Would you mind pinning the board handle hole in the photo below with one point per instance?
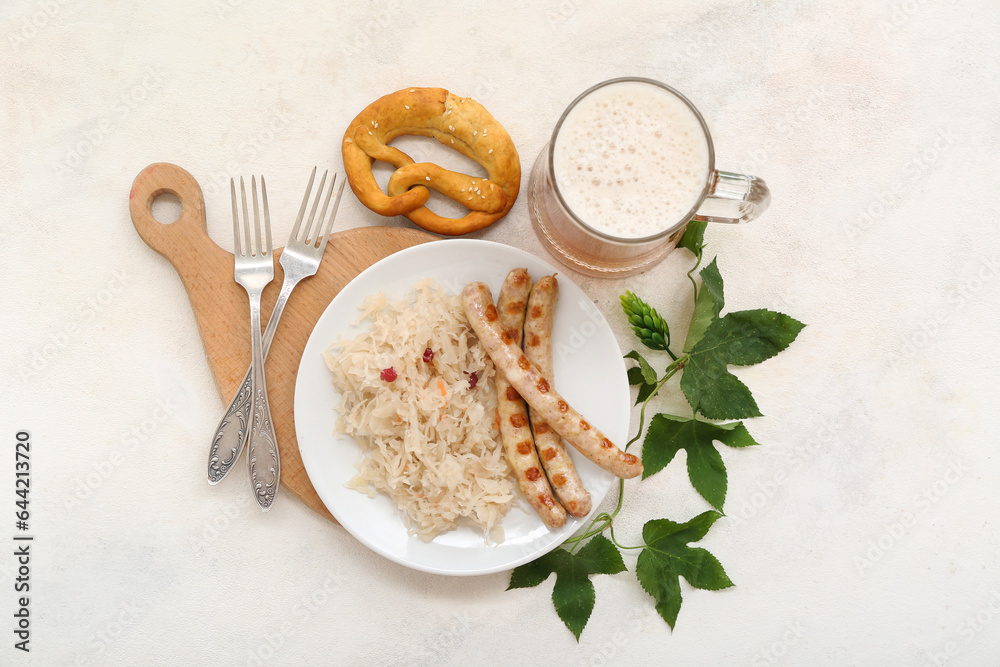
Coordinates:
(166, 208)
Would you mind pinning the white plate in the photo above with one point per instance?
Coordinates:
(589, 372)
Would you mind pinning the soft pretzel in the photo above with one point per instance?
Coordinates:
(458, 122)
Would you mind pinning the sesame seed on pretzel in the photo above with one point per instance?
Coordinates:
(457, 122)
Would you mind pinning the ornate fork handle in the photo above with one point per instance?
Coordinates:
(232, 431)
(262, 449)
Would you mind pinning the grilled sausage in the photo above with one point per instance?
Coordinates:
(536, 390)
(514, 429)
(566, 482)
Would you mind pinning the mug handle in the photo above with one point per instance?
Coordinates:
(734, 198)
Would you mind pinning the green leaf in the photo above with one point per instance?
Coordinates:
(719, 397)
(647, 324)
(666, 557)
(648, 374)
(669, 434)
(642, 375)
(707, 305)
(742, 338)
(602, 556)
(573, 594)
(645, 391)
(533, 573)
(694, 237)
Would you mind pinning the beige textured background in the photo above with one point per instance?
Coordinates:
(862, 532)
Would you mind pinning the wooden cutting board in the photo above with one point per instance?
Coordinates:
(222, 310)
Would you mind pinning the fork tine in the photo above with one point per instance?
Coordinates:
(267, 218)
(333, 214)
(236, 220)
(259, 248)
(248, 249)
(302, 209)
(312, 213)
(322, 215)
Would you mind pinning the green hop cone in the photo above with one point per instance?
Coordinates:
(647, 324)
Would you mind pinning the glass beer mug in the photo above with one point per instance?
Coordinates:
(630, 162)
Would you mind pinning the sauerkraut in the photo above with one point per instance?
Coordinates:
(418, 396)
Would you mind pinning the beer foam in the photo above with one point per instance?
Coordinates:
(631, 159)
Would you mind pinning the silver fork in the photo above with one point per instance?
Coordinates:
(300, 259)
(254, 269)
